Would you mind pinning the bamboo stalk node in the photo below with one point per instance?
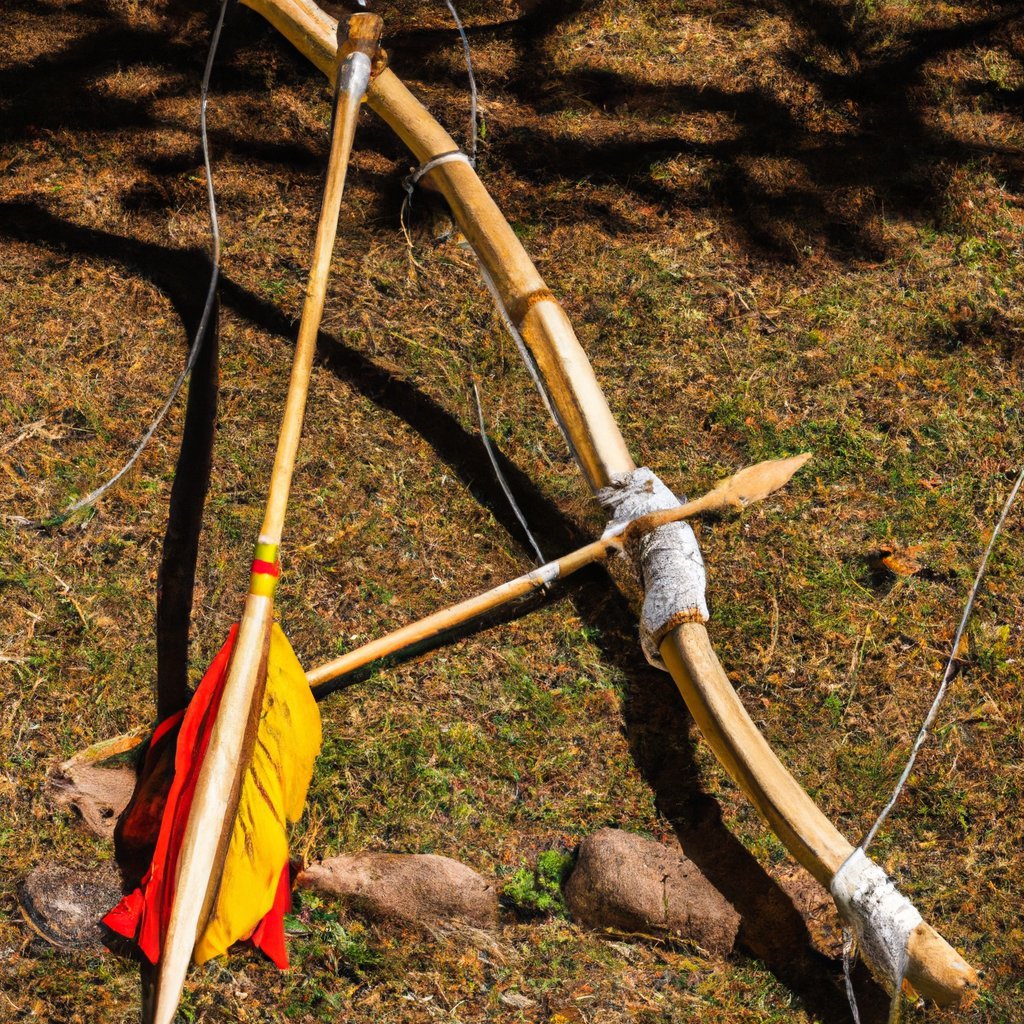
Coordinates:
(523, 303)
(667, 558)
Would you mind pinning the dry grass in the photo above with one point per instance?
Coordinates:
(777, 227)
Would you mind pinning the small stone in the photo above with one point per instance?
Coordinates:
(416, 889)
(98, 794)
(628, 883)
(64, 905)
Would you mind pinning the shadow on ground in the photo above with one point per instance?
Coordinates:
(656, 720)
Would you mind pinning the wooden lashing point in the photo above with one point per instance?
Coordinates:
(934, 968)
(747, 486)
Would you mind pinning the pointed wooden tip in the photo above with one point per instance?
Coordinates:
(757, 482)
(937, 971)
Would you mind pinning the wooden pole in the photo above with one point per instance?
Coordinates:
(215, 801)
(934, 968)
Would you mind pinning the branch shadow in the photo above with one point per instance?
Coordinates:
(787, 179)
(890, 152)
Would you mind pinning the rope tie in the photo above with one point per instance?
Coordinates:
(668, 559)
(410, 182)
(881, 918)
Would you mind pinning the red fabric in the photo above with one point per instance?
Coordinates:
(268, 937)
(261, 568)
(143, 915)
(139, 826)
(165, 727)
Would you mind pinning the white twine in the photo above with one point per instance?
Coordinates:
(668, 558)
(882, 918)
(410, 183)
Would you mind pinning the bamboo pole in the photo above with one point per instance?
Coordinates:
(215, 801)
(741, 489)
(934, 968)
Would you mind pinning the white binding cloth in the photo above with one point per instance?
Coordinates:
(880, 915)
(668, 558)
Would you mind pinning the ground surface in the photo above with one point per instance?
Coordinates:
(778, 226)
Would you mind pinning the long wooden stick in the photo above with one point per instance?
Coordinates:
(215, 802)
(934, 968)
(741, 489)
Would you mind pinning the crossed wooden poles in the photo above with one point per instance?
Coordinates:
(926, 961)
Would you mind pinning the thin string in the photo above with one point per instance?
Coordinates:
(847, 966)
(410, 182)
(517, 511)
(524, 353)
(950, 670)
(211, 291)
(471, 136)
(947, 677)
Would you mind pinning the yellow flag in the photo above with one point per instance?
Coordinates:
(273, 794)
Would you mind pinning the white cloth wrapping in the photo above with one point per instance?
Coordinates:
(668, 558)
(880, 915)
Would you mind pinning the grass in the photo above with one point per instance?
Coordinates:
(537, 889)
(776, 228)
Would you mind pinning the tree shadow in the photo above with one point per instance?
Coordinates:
(788, 178)
(889, 152)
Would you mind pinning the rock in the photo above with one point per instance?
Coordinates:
(63, 905)
(417, 889)
(625, 882)
(98, 794)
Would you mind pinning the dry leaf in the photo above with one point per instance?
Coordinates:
(902, 561)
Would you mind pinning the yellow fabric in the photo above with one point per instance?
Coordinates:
(273, 792)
